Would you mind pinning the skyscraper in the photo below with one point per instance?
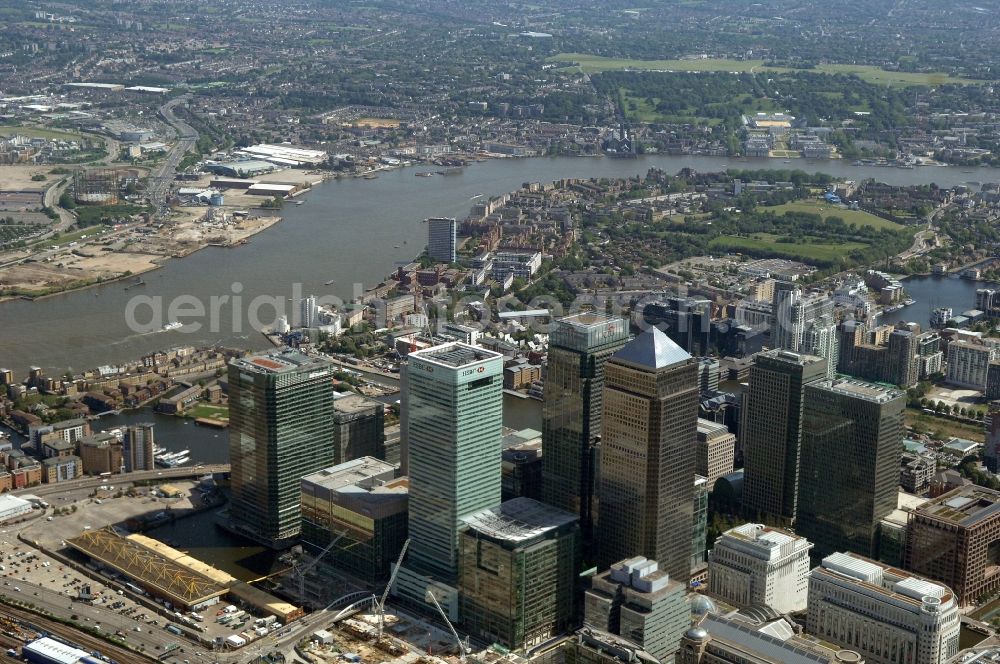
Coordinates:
(772, 430)
(454, 423)
(579, 346)
(138, 451)
(648, 454)
(280, 429)
(441, 239)
(855, 428)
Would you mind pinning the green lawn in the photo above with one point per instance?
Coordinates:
(595, 63)
(209, 410)
(38, 132)
(825, 210)
(766, 242)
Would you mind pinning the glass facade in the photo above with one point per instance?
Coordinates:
(280, 430)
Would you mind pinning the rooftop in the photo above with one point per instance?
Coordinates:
(518, 520)
(965, 506)
(359, 475)
(455, 355)
(652, 350)
(861, 390)
(55, 651)
(281, 360)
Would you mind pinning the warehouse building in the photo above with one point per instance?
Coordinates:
(49, 651)
(12, 507)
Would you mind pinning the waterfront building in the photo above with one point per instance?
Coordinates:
(969, 362)
(771, 432)
(953, 538)
(648, 453)
(454, 423)
(803, 322)
(579, 347)
(139, 444)
(280, 429)
(852, 439)
(716, 450)
(441, 242)
(358, 428)
(362, 503)
(56, 469)
(638, 601)
(885, 614)
(754, 565)
(101, 453)
(517, 572)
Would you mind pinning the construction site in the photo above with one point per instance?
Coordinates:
(96, 186)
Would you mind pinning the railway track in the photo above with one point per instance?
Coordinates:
(85, 641)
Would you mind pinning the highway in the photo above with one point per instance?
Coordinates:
(159, 180)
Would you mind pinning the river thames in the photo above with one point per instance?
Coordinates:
(348, 232)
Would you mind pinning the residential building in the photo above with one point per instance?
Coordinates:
(572, 407)
(969, 363)
(280, 430)
(885, 614)
(638, 601)
(753, 566)
(916, 472)
(735, 638)
(518, 566)
(716, 450)
(454, 421)
(803, 323)
(138, 450)
(954, 539)
(358, 428)
(771, 431)
(362, 503)
(647, 453)
(517, 264)
(441, 243)
(57, 469)
(101, 453)
(855, 428)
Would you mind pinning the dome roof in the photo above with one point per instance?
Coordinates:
(701, 605)
(696, 634)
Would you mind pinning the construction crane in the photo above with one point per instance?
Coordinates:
(380, 605)
(463, 646)
(300, 571)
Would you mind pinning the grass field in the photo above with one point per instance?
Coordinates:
(766, 242)
(825, 210)
(592, 64)
(941, 427)
(38, 132)
(209, 410)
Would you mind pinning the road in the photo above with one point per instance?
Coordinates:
(94, 482)
(159, 180)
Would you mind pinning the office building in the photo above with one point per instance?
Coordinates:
(101, 453)
(648, 453)
(139, 443)
(592, 646)
(517, 572)
(969, 362)
(709, 373)
(441, 244)
(885, 614)
(852, 439)
(699, 528)
(579, 347)
(358, 428)
(362, 503)
(686, 320)
(991, 448)
(736, 638)
(716, 450)
(521, 468)
(771, 435)
(955, 538)
(754, 565)
(280, 430)
(454, 428)
(638, 601)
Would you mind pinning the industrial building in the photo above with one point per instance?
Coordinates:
(166, 573)
(47, 650)
(517, 572)
(241, 169)
(285, 155)
(12, 507)
(363, 501)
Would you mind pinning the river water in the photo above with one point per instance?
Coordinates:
(350, 231)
